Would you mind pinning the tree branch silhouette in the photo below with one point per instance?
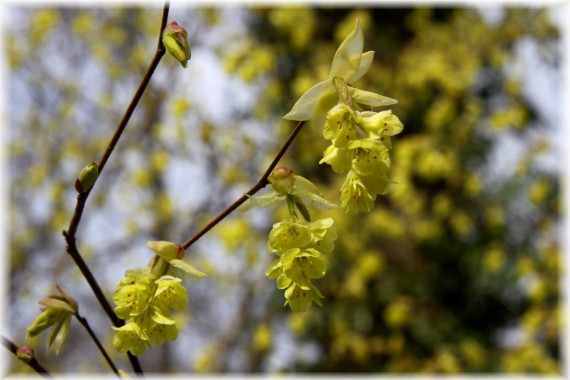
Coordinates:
(70, 233)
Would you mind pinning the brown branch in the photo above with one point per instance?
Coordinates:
(33, 363)
(258, 186)
(160, 50)
(71, 231)
(85, 325)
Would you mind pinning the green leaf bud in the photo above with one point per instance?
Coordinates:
(44, 321)
(175, 41)
(282, 180)
(87, 178)
(58, 304)
(57, 313)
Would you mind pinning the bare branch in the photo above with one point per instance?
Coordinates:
(258, 186)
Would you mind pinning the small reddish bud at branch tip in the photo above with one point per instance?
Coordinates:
(25, 354)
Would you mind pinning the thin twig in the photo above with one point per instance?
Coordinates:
(71, 231)
(85, 324)
(258, 186)
(33, 363)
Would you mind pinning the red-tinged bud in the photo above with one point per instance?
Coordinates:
(175, 41)
(25, 354)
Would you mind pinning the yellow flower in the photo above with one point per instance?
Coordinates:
(358, 193)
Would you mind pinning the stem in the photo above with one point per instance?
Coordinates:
(85, 324)
(82, 197)
(258, 186)
(13, 348)
(160, 50)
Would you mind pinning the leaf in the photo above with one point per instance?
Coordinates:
(262, 201)
(58, 334)
(302, 183)
(189, 270)
(57, 304)
(70, 300)
(310, 103)
(370, 98)
(365, 62)
(346, 61)
(314, 200)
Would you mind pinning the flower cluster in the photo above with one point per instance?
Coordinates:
(301, 245)
(301, 250)
(360, 139)
(146, 296)
(359, 146)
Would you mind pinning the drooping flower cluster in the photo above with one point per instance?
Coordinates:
(146, 296)
(359, 146)
(301, 250)
(301, 245)
(360, 140)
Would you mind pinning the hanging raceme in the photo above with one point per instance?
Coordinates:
(360, 140)
(301, 245)
(146, 296)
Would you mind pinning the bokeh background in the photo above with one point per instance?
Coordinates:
(456, 270)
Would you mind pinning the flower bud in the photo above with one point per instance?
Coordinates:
(25, 354)
(87, 178)
(166, 250)
(282, 180)
(176, 43)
